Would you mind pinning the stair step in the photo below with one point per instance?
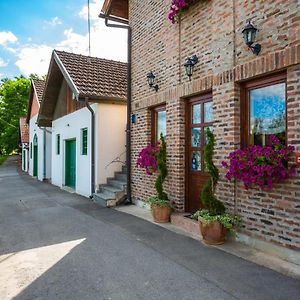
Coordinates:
(121, 176)
(104, 200)
(117, 183)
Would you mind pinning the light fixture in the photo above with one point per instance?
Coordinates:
(189, 65)
(249, 33)
(151, 81)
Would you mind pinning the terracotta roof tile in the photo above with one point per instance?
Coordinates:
(39, 87)
(24, 130)
(96, 77)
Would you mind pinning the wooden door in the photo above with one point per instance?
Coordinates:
(199, 117)
(70, 164)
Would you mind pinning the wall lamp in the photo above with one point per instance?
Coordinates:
(151, 81)
(189, 65)
(249, 33)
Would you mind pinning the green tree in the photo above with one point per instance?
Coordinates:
(14, 95)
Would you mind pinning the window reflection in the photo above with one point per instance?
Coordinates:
(267, 113)
(196, 161)
(161, 124)
(196, 137)
(196, 113)
(208, 112)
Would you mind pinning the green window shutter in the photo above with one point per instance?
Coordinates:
(58, 144)
(31, 150)
(84, 141)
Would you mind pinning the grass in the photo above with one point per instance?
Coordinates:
(2, 159)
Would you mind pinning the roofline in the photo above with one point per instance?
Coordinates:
(82, 97)
(32, 88)
(66, 75)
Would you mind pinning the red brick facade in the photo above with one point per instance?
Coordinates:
(212, 30)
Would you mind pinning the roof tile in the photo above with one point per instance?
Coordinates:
(96, 77)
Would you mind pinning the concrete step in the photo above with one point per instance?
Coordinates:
(124, 169)
(121, 176)
(117, 183)
(105, 200)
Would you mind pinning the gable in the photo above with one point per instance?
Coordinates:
(35, 106)
(65, 103)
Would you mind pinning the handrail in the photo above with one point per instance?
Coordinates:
(116, 160)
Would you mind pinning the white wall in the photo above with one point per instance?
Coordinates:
(25, 158)
(110, 139)
(69, 127)
(34, 129)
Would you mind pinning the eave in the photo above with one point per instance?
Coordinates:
(116, 8)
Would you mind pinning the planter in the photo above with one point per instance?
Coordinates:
(161, 214)
(213, 233)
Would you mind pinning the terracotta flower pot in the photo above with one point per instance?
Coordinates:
(161, 214)
(213, 233)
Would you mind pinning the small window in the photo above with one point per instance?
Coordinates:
(264, 111)
(84, 141)
(159, 123)
(58, 144)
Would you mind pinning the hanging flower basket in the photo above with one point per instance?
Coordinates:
(261, 166)
(177, 8)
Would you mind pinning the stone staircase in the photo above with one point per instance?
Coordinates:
(114, 192)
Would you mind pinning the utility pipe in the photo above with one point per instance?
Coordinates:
(87, 104)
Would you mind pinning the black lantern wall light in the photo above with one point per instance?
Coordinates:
(249, 33)
(190, 64)
(151, 81)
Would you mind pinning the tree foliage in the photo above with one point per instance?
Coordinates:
(14, 95)
(162, 169)
(211, 203)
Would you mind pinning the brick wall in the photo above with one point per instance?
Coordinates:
(212, 30)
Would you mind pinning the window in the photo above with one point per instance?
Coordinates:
(264, 110)
(31, 150)
(58, 144)
(159, 123)
(84, 141)
(200, 118)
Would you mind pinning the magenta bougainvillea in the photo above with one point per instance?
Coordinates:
(147, 158)
(261, 166)
(177, 8)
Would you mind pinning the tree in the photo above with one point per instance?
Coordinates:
(14, 95)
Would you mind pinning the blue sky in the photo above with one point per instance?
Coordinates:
(30, 30)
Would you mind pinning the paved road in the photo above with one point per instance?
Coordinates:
(56, 245)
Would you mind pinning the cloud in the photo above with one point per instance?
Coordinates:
(34, 59)
(54, 22)
(3, 63)
(109, 43)
(7, 37)
(74, 42)
(95, 7)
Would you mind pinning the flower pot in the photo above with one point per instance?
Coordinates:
(213, 233)
(161, 214)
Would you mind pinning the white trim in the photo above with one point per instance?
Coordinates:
(66, 75)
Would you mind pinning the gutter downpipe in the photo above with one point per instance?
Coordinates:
(107, 18)
(87, 104)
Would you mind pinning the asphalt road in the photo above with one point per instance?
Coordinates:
(56, 245)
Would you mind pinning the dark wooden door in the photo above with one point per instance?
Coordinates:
(199, 117)
(70, 165)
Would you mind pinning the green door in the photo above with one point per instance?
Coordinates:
(35, 155)
(24, 160)
(70, 164)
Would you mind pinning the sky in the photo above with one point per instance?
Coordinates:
(30, 30)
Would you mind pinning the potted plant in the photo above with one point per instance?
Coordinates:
(214, 221)
(154, 159)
